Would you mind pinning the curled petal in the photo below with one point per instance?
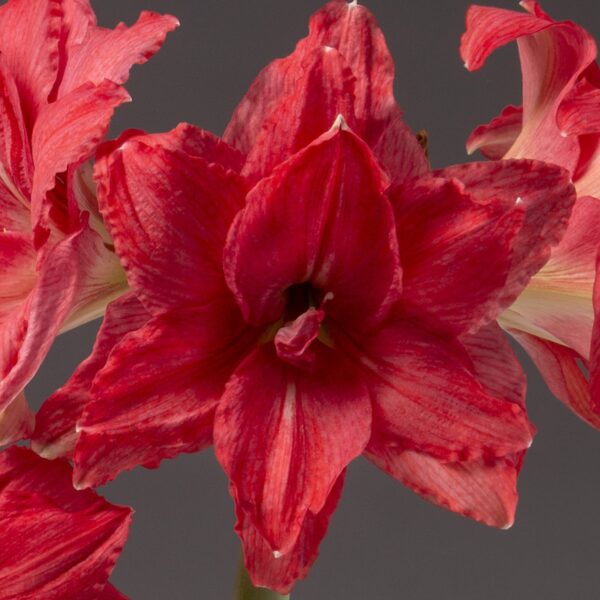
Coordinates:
(30, 32)
(495, 138)
(284, 436)
(55, 426)
(77, 278)
(564, 372)
(556, 305)
(94, 53)
(325, 207)
(66, 132)
(168, 213)
(16, 421)
(281, 572)
(579, 113)
(155, 397)
(56, 542)
(553, 56)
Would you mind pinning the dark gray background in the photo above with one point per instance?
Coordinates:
(384, 542)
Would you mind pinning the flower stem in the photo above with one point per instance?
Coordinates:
(244, 590)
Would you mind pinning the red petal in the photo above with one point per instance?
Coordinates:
(561, 368)
(101, 53)
(351, 30)
(470, 244)
(171, 250)
(293, 340)
(323, 90)
(55, 426)
(283, 436)
(54, 542)
(111, 593)
(15, 154)
(428, 398)
(156, 395)
(320, 218)
(496, 138)
(483, 491)
(68, 132)
(283, 572)
(553, 55)
(30, 31)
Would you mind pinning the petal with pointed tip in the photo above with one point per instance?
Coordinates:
(168, 213)
(156, 395)
(56, 542)
(494, 139)
(284, 436)
(325, 209)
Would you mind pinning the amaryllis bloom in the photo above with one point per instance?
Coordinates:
(559, 122)
(305, 290)
(60, 77)
(55, 542)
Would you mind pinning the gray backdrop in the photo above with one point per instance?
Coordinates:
(384, 542)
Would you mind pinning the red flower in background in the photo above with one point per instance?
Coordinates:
(310, 291)
(559, 122)
(55, 542)
(59, 84)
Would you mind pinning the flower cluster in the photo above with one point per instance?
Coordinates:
(301, 291)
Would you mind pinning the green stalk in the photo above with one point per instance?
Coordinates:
(244, 590)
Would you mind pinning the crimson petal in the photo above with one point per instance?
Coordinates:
(282, 571)
(168, 213)
(156, 395)
(428, 399)
(56, 542)
(284, 436)
(320, 218)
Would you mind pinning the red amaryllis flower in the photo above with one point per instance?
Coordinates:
(59, 84)
(308, 293)
(55, 542)
(559, 122)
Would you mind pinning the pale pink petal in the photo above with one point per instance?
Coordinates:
(56, 543)
(16, 421)
(325, 207)
(553, 55)
(55, 425)
(155, 397)
(282, 571)
(168, 213)
(494, 139)
(284, 436)
(557, 303)
(76, 279)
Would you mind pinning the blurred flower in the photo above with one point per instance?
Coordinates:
(309, 291)
(55, 542)
(559, 122)
(59, 84)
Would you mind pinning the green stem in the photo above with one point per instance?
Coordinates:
(244, 590)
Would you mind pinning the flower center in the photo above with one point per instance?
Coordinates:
(300, 325)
